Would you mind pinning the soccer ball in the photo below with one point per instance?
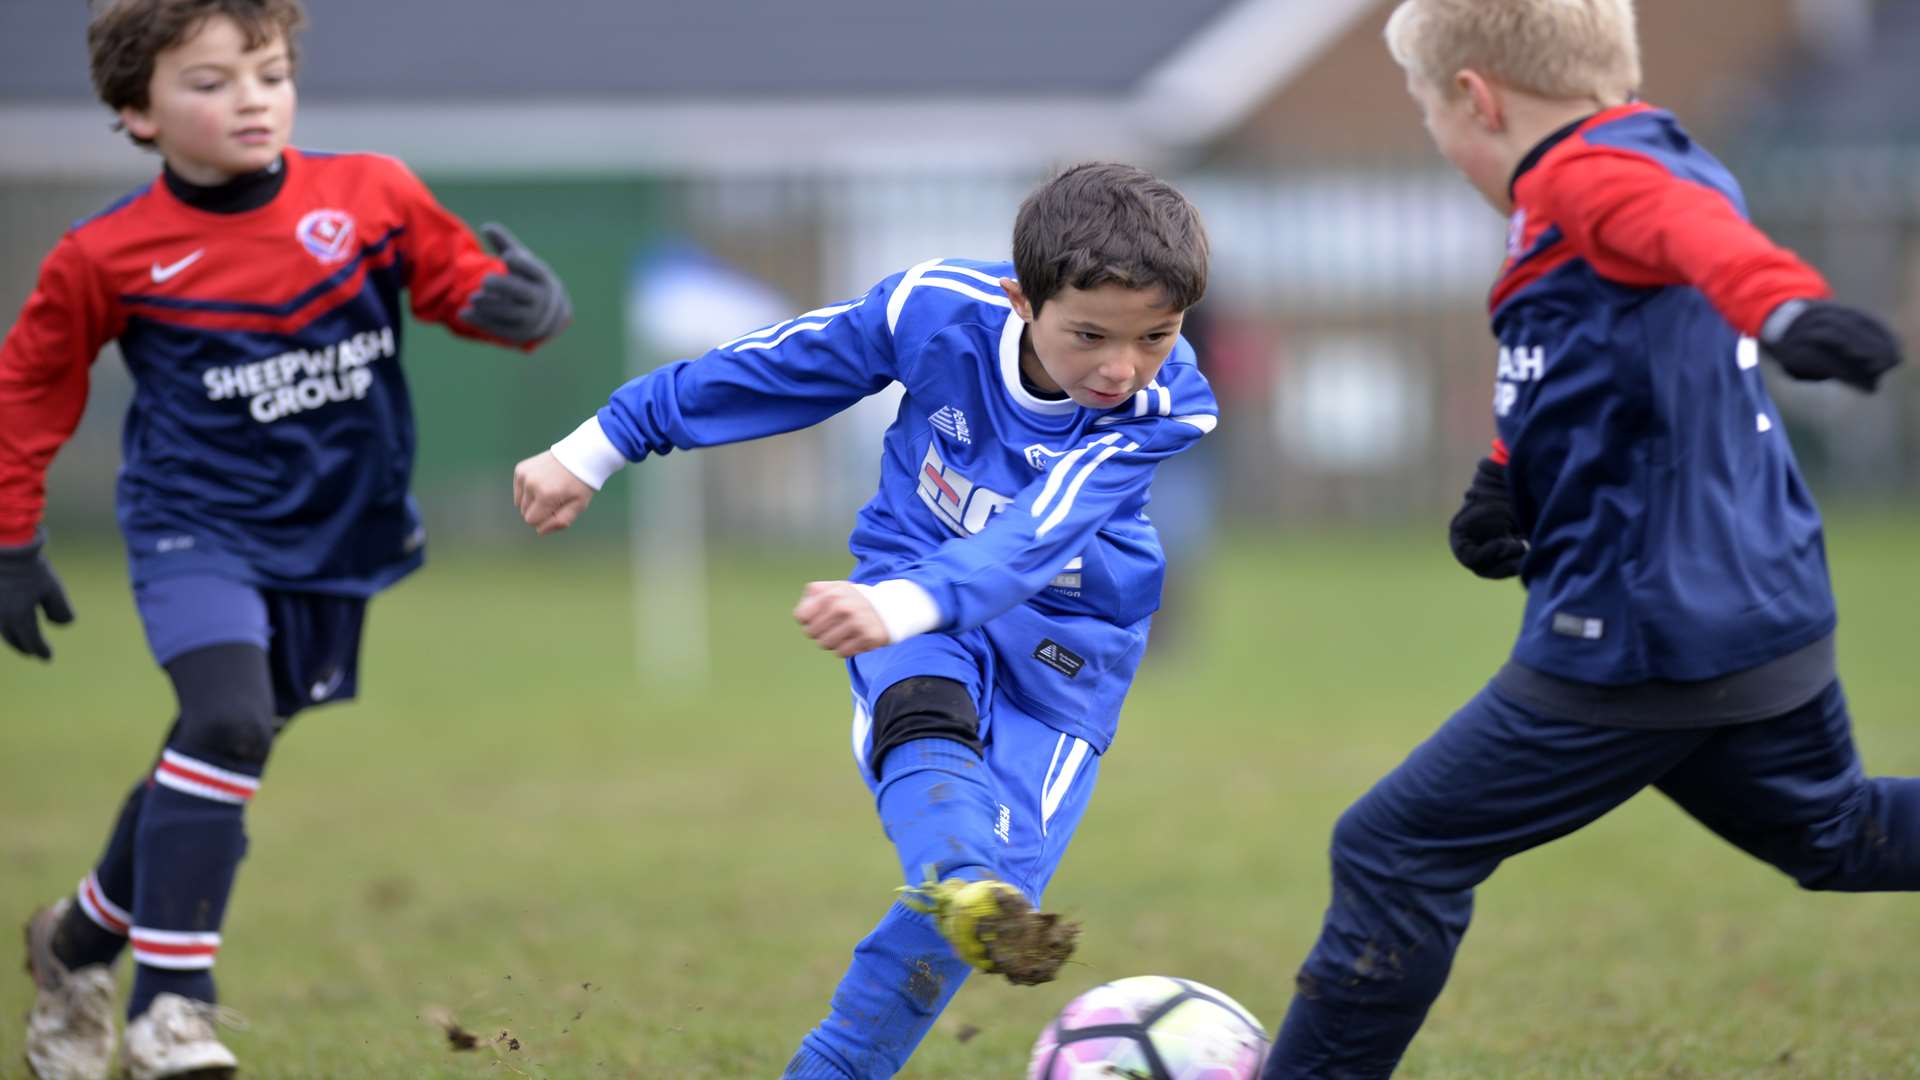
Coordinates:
(1150, 1027)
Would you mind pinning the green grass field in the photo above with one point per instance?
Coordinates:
(513, 829)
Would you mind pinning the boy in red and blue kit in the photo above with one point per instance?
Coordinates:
(256, 293)
(1679, 626)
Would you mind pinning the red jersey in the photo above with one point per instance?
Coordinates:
(270, 436)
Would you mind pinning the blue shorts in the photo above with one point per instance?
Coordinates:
(312, 641)
(1042, 778)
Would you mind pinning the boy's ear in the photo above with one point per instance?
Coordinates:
(1020, 305)
(1484, 101)
(138, 123)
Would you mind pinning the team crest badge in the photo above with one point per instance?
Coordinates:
(1040, 457)
(327, 235)
(1517, 234)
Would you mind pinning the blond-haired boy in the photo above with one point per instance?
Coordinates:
(1679, 623)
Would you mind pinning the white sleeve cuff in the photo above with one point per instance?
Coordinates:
(906, 609)
(589, 455)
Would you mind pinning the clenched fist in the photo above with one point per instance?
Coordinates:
(548, 497)
(840, 619)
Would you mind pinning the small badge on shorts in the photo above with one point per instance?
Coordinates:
(1579, 626)
(1059, 657)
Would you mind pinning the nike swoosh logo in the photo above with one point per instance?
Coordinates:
(323, 690)
(164, 273)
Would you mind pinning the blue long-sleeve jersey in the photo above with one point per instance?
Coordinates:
(1019, 515)
(1671, 535)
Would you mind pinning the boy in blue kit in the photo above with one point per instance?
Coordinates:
(256, 292)
(1679, 626)
(1005, 570)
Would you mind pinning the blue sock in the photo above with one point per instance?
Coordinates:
(191, 838)
(938, 809)
(902, 976)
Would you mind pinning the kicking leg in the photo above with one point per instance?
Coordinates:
(1791, 791)
(1038, 782)
(1492, 782)
(902, 976)
(937, 796)
(934, 797)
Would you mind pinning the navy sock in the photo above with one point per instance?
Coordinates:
(191, 839)
(94, 929)
(938, 809)
(80, 942)
(151, 982)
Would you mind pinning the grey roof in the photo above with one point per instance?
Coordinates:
(477, 50)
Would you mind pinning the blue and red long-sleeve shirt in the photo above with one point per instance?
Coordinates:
(270, 438)
(1672, 537)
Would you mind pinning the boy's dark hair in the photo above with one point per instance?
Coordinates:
(1104, 223)
(125, 36)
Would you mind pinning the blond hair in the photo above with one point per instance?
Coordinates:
(1561, 49)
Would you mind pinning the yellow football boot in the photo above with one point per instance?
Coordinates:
(992, 927)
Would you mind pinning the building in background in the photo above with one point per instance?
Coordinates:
(821, 146)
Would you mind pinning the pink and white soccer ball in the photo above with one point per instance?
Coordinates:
(1150, 1027)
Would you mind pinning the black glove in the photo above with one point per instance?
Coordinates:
(1484, 536)
(26, 583)
(527, 303)
(1814, 340)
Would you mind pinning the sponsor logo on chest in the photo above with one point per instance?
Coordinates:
(959, 503)
(302, 380)
(965, 507)
(1519, 365)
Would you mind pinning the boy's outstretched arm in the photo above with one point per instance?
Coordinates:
(510, 297)
(780, 378)
(1639, 224)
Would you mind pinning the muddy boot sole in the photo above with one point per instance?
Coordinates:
(1026, 946)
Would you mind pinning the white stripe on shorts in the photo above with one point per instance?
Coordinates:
(1052, 793)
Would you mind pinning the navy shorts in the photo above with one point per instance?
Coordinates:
(312, 641)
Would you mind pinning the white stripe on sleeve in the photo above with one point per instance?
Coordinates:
(816, 313)
(1066, 502)
(899, 298)
(1060, 470)
(969, 272)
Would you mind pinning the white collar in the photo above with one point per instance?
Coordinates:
(1010, 373)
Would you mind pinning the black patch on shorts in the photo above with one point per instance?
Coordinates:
(1058, 657)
